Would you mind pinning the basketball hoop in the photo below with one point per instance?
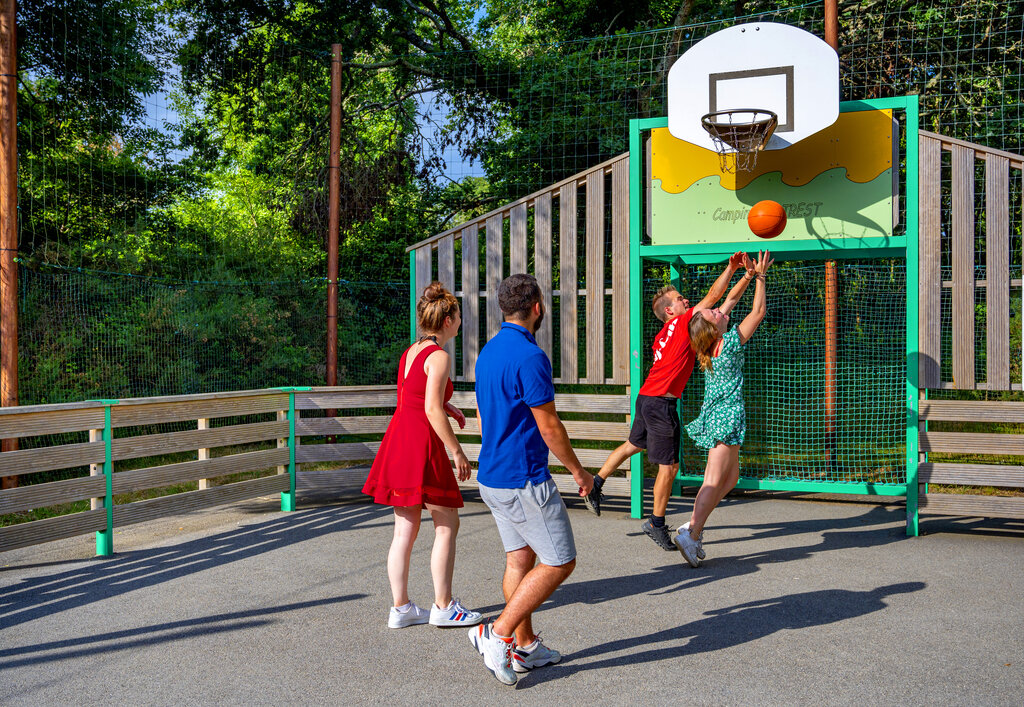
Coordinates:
(739, 135)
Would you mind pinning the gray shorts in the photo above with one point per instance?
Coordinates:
(533, 515)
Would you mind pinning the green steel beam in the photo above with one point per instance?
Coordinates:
(412, 296)
(911, 106)
(636, 466)
(288, 497)
(863, 489)
(703, 253)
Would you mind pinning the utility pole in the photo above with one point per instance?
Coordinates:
(8, 218)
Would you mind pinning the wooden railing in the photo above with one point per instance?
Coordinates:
(982, 446)
(551, 210)
(965, 201)
(257, 432)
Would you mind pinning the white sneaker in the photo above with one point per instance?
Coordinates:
(688, 547)
(455, 614)
(700, 540)
(523, 662)
(497, 652)
(414, 615)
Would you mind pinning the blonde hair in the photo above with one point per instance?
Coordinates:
(703, 337)
(657, 305)
(436, 304)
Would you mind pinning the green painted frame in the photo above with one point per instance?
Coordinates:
(896, 246)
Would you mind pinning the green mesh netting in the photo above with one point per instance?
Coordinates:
(784, 375)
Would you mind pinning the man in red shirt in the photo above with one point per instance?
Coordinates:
(656, 423)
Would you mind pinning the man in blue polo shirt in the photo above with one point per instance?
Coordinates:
(518, 425)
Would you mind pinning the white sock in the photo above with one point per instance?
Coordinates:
(530, 648)
(404, 609)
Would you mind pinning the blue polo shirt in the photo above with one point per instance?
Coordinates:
(512, 375)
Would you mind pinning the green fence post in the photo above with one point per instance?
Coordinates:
(913, 242)
(412, 296)
(105, 538)
(636, 464)
(288, 497)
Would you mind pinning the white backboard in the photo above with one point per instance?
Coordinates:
(759, 65)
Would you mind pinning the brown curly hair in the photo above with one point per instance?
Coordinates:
(434, 306)
(703, 337)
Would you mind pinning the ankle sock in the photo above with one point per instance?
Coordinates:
(657, 521)
(528, 648)
(404, 608)
(598, 482)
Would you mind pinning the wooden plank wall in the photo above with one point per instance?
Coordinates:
(598, 358)
(1000, 218)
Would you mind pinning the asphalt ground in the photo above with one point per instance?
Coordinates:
(798, 602)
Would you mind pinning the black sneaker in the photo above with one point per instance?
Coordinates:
(593, 500)
(659, 535)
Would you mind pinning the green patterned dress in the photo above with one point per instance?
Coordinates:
(722, 417)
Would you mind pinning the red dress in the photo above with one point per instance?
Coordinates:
(412, 466)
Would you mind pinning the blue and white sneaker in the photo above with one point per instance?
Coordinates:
(496, 651)
(410, 617)
(523, 662)
(455, 614)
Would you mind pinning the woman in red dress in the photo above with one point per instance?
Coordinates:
(411, 470)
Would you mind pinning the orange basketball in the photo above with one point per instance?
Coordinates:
(767, 219)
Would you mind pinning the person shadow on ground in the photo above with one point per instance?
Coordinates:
(727, 627)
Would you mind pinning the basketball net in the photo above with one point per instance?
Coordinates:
(739, 136)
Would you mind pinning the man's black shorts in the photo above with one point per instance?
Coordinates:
(656, 428)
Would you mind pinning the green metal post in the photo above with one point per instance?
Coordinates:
(636, 464)
(913, 393)
(105, 538)
(412, 296)
(674, 274)
(288, 497)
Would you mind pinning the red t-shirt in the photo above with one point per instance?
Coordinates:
(673, 358)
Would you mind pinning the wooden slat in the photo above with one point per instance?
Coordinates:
(564, 402)
(424, 272)
(963, 267)
(1002, 475)
(191, 440)
(363, 425)
(589, 458)
(595, 278)
(929, 262)
(47, 529)
(576, 429)
(517, 240)
(542, 265)
(972, 506)
(971, 411)
(494, 276)
(169, 474)
(50, 494)
(997, 254)
(350, 451)
(1016, 161)
(470, 301)
(30, 461)
(620, 272)
(567, 283)
(446, 276)
(29, 424)
(384, 398)
(972, 443)
(145, 413)
(179, 503)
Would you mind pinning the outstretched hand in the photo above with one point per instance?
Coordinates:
(764, 261)
(748, 265)
(736, 260)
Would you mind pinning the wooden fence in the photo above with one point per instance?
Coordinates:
(250, 432)
(969, 205)
(582, 210)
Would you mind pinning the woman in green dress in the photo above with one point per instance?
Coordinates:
(721, 424)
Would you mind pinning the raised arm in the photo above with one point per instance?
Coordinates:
(720, 285)
(437, 375)
(753, 320)
(736, 293)
(557, 439)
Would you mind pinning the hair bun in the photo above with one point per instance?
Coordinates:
(434, 292)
